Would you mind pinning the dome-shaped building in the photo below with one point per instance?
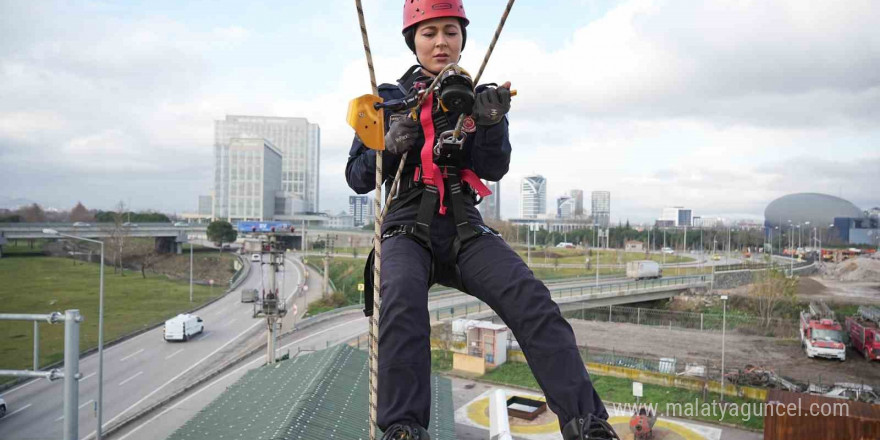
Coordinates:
(818, 209)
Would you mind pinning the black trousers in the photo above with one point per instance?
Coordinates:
(490, 270)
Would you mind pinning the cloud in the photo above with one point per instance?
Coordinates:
(720, 106)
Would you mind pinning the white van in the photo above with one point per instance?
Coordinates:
(256, 257)
(183, 327)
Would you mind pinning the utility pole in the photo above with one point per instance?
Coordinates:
(273, 306)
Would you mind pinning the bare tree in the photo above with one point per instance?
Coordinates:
(118, 234)
(32, 214)
(770, 288)
(79, 213)
(144, 254)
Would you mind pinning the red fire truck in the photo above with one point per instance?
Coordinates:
(864, 332)
(821, 335)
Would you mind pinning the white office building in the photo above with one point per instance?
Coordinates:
(299, 143)
(533, 197)
(254, 179)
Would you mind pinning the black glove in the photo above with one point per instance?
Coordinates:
(491, 105)
(402, 133)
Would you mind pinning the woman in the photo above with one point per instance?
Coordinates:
(423, 243)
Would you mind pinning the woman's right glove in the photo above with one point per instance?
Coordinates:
(402, 133)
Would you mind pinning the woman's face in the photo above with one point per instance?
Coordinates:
(438, 43)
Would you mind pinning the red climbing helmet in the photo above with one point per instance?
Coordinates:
(417, 11)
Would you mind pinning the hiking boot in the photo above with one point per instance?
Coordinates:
(406, 431)
(588, 428)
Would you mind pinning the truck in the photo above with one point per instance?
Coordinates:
(864, 332)
(249, 295)
(643, 269)
(821, 334)
(182, 327)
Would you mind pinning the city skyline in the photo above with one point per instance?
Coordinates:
(704, 125)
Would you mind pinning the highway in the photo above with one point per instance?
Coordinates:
(145, 369)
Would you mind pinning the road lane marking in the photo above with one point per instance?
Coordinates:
(107, 423)
(129, 356)
(18, 411)
(130, 378)
(80, 407)
(86, 377)
(231, 320)
(172, 354)
(259, 359)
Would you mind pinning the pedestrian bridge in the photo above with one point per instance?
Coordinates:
(586, 296)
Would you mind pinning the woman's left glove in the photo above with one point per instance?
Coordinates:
(491, 105)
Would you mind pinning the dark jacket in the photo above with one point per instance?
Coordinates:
(486, 152)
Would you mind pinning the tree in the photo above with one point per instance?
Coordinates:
(79, 213)
(144, 254)
(220, 232)
(33, 214)
(118, 234)
(771, 287)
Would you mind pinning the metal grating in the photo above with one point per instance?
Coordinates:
(322, 395)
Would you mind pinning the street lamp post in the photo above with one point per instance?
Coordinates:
(190, 271)
(723, 331)
(100, 324)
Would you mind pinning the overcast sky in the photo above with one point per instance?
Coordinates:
(720, 107)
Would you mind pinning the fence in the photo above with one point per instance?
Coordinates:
(753, 325)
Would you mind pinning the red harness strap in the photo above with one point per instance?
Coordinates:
(431, 174)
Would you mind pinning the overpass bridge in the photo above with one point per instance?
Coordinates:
(583, 296)
(169, 238)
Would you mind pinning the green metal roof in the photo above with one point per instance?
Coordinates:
(322, 395)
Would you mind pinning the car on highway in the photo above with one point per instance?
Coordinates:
(2, 407)
(182, 327)
(130, 225)
(716, 257)
(81, 225)
(667, 250)
(180, 224)
(256, 257)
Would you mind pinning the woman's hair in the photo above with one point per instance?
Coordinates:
(409, 35)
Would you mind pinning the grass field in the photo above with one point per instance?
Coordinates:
(614, 389)
(38, 284)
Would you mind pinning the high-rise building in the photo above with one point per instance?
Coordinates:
(578, 196)
(490, 207)
(360, 207)
(254, 179)
(601, 208)
(299, 143)
(206, 204)
(565, 207)
(533, 196)
(678, 215)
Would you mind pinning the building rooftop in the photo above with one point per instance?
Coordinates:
(322, 395)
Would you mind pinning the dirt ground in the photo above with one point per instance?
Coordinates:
(818, 287)
(785, 357)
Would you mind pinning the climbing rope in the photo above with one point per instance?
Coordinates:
(377, 242)
(377, 245)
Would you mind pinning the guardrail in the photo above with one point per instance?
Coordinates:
(465, 309)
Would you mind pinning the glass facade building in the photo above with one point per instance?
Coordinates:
(297, 141)
(533, 196)
(254, 179)
(601, 208)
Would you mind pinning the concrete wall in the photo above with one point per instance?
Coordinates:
(730, 280)
(468, 364)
